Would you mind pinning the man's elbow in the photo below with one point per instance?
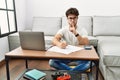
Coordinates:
(85, 41)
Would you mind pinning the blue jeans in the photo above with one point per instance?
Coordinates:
(82, 65)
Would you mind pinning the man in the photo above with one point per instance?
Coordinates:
(69, 36)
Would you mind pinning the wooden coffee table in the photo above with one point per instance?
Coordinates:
(33, 54)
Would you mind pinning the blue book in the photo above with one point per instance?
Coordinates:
(35, 74)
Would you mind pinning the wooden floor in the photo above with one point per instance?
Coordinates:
(18, 66)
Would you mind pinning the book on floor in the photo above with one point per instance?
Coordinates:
(34, 74)
(29, 78)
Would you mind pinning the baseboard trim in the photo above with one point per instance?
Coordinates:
(2, 62)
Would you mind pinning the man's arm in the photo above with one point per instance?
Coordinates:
(83, 40)
(56, 41)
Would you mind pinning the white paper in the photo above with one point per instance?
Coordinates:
(69, 49)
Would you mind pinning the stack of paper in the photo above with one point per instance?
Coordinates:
(35, 74)
(69, 49)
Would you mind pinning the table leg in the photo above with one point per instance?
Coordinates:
(26, 63)
(91, 66)
(90, 75)
(7, 68)
(97, 68)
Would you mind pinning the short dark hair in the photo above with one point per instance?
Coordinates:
(73, 11)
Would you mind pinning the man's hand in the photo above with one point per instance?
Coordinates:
(63, 45)
(73, 29)
(56, 41)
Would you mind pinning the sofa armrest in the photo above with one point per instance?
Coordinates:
(14, 41)
(93, 41)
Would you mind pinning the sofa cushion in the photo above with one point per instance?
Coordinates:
(109, 50)
(106, 25)
(84, 22)
(48, 25)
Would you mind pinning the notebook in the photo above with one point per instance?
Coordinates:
(33, 40)
(34, 74)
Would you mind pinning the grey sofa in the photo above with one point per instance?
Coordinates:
(107, 31)
(103, 32)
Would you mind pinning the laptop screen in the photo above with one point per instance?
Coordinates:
(32, 40)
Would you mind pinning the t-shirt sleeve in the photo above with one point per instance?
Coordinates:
(61, 31)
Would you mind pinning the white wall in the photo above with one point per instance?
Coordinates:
(4, 47)
(21, 14)
(58, 8)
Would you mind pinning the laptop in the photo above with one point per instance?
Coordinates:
(33, 41)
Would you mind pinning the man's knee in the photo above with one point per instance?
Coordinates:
(51, 62)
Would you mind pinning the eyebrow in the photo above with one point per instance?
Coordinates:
(72, 17)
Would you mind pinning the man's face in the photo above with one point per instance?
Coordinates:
(72, 20)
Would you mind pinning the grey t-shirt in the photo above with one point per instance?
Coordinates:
(69, 37)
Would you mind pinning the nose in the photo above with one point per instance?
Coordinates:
(72, 20)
